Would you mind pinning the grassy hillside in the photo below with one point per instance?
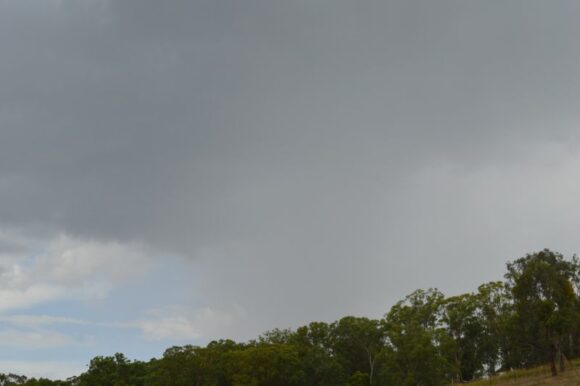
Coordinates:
(535, 377)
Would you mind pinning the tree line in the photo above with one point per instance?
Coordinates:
(530, 318)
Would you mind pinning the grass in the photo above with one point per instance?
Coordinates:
(538, 376)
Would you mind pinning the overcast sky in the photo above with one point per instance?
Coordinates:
(177, 171)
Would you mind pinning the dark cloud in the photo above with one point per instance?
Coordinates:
(289, 139)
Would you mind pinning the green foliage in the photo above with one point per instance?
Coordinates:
(358, 379)
(265, 365)
(357, 342)
(476, 324)
(114, 370)
(320, 365)
(546, 307)
(420, 347)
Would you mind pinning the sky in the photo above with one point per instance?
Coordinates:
(178, 171)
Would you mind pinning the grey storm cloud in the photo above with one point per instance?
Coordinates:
(282, 141)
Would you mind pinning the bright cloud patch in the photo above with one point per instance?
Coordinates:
(25, 297)
(64, 268)
(35, 271)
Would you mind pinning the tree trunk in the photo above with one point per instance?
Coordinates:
(371, 365)
(553, 368)
(563, 360)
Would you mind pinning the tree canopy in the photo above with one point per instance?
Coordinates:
(425, 339)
